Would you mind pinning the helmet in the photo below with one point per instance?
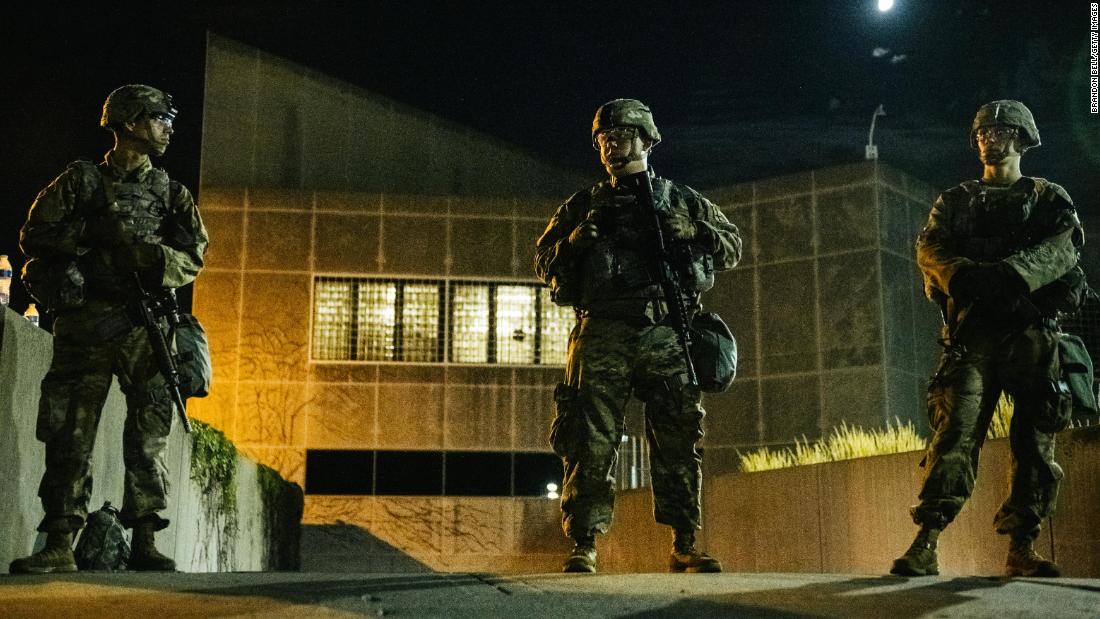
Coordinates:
(625, 113)
(1010, 113)
(126, 103)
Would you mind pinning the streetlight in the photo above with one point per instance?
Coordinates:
(870, 152)
(552, 491)
(885, 5)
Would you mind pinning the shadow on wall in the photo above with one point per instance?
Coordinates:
(344, 547)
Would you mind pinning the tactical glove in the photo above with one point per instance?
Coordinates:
(989, 282)
(139, 257)
(679, 228)
(586, 233)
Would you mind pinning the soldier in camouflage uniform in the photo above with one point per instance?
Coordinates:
(88, 235)
(999, 255)
(595, 255)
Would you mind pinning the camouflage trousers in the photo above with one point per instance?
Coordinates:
(961, 400)
(73, 393)
(608, 361)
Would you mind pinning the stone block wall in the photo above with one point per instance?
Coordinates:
(827, 306)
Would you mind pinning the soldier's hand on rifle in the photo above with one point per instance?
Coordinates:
(586, 233)
(137, 257)
(679, 227)
(108, 232)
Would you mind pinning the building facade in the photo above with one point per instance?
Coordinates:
(378, 335)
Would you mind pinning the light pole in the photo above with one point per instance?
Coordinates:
(870, 152)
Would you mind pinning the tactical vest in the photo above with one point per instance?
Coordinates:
(138, 209)
(992, 223)
(621, 264)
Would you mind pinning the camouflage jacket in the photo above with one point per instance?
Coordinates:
(60, 221)
(560, 265)
(1031, 226)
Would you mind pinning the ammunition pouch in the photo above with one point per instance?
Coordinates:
(695, 271)
(56, 285)
(713, 352)
(566, 426)
(1077, 373)
(1064, 295)
(193, 349)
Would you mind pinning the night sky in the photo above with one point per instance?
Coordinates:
(740, 90)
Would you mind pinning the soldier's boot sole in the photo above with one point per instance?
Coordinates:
(578, 565)
(905, 567)
(1046, 569)
(26, 566)
(711, 566)
(151, 564)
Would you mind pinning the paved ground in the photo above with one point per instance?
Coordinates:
(541, 596)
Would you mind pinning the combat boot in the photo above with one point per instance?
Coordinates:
(144, 556)
(583, 558)
(1024, 561)
(920, 559)
(57, 556)
(686, 558)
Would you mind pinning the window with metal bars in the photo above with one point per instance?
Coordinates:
(437, 321)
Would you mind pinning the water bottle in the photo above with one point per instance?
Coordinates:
(5, 279)
(31, 314)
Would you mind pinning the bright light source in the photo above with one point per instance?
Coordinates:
(551, 487)
(885, 5)
(551, 495)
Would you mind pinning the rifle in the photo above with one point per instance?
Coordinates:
(150, 308)
(670, 284)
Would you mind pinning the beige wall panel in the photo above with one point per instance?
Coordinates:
(274, 343)
(346, 243)
(348, 201)
(414, 245)
(534, 410)
(288, 461)
(416, 204)
(283, 199)
(481, 247)
(218, 408)
(341, 417)
(538, 527)
(527, 232)
(279, 133)
(477, 525)
(215, 303)
(271, 414)
(478, 418)
(226, 231)
(326, 140)
(343, 372)
(410, 373)
(278, 241)
(410, 416)
(483, 205)
(221, 198)
(324, 509)
(411, 525)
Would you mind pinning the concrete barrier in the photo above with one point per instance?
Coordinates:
(852, 517)
(247, 518)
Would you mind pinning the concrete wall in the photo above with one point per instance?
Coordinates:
(449, 534)
(853, 517)
(827, 306)
(197, 537)
(303, 175)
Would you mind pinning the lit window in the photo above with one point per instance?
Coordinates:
(368, 319)
(470, 324)
(377, 319)
(332, 320)
(515, 324)
(420, 322)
